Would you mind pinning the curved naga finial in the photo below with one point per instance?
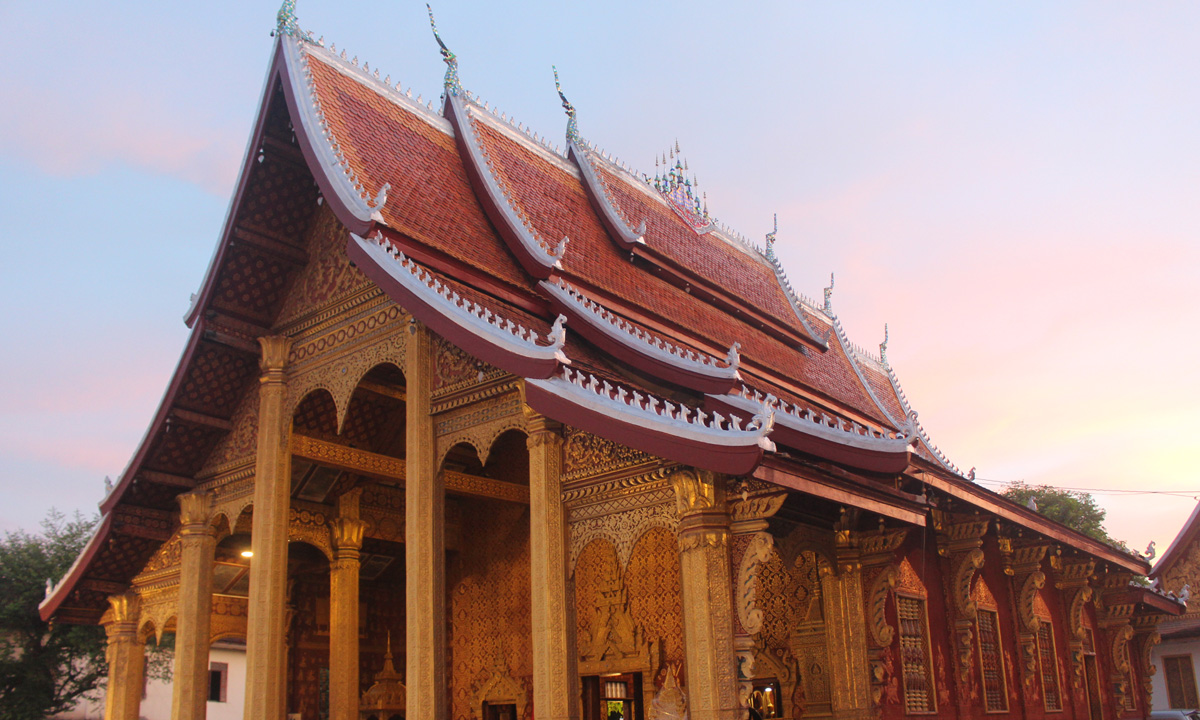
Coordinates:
(572, 127)
(771, 237)
(883, 346)
(453, 86)
(286, 22)
(829, 296)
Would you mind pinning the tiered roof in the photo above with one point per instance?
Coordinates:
(626, 309)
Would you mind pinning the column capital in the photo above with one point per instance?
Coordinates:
(275, 349)
(195, 510)
(347, 534)
(540, 428)
(123, 608)
(697, 491)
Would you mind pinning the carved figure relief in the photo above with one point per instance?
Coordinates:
(670, 702)
(500, 688)
(586, 455)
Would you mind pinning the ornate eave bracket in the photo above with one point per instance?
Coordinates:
(651, 424)
(334, 167)
(538, 256)
(496, 340)
(662, 358)
(832, 438)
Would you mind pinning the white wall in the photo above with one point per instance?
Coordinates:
(156, 705)
(1185, 646)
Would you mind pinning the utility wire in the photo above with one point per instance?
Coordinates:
(1100, 491)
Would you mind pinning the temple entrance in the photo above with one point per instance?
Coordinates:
(500, 712)
(613, 697)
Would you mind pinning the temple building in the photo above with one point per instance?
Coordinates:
(1178, 655)
(470, 427)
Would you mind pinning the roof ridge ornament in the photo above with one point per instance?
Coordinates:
(286, 22)
(770, 236)
(883, 347)
(572, 125)
(829, 297)
(452, 84)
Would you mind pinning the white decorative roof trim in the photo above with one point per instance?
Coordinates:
(383, 87)
(851, 351)
(640, 409)
(919, 429)
(642, 342)
(333, 161)
(794, 298)
(472, 317)
(628, 235)
(537, 248)
(822, 425)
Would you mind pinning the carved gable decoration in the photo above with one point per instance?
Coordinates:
(501, 688)
(910, 582)
(614, 642)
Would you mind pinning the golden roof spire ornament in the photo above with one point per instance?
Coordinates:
(451, 82)
(572, 126)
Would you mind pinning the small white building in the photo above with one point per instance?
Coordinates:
(1177, 657)
(226, 693)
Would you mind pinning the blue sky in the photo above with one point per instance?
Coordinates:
(1013, 187)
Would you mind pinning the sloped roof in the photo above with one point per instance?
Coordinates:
(493, 239)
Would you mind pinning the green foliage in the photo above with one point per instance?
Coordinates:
(44, 669)
(1077, 510)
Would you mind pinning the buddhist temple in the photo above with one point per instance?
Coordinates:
(471, 427)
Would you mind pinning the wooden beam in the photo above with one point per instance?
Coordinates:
(390, 468)
(195, 418)
(834, 491)
(388, 391)
(273, 246)
(162, 478)
(233, 341)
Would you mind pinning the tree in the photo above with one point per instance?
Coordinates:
(1075, 509)
(44, 668)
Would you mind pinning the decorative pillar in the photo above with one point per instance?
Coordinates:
(712, 684)
(880, 576)
(266, 653)
(960, 542)
(845, 624)
(126, 658)
(189, 693)
(1072, 578)
(424, 538)
(347, 533)
(1023, 566)
(556, 689)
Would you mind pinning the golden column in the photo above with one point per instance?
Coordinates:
(712, 684)
(846, 625)
(190, 681)
(126, 658)
(556, 690)
(347, 533)
(424, 539)
(266, 651)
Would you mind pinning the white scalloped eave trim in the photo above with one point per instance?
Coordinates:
(472, 317)
(629, 234)
(640, 409)
(835, 430)
(345, 183)
(643, 342)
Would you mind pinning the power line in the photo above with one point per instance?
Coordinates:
(1194, 494)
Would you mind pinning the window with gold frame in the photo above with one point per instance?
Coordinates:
(1048, 666)
(991, 652)
(916, 661)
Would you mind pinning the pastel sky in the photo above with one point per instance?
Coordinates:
(1013, 187)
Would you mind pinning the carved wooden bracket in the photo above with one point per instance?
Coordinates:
(757, 552)
(964, 575)
(882, 633)
(1030, 585)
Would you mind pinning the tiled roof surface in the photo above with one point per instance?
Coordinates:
(431, 201)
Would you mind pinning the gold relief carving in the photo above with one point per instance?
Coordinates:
(347, 534)
(611, 641)
(1148, 668)
(122, 609)
(670, 702)
(586, 455)
(457, 371)
(1120, 641)
(1027, 599)
(879, 547)
(168, 556)
(241, 441)
(341, 373)
(964, 575)
(956, 534)
(1026, 558)
(749, 514)
(159, 609)
(479, 425)
(328, 274)
(501, 688)
(619, 494)
(781, 664)
(910, 582)
(622, 529)
(309, 527)
(703, 539)
(195, 510)
(885, 582)
(695, 490)
(759, 550)
(228, 617)
(653, 580)
(274, 353)
(1075, 612)
(1074, 573)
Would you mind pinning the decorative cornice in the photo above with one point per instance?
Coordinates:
(467, 324)
(699, 371)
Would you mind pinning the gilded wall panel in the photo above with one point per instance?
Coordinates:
(489, 589)
(346, 355)
(597, 562)
(653, 583)
(479, 424)
(240, 442)
(328, 276)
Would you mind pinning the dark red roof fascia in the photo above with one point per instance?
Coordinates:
(1153, 600)
(875, 498)
(1185, 537)
(738, 460)
(1014, 512)
(62, 591)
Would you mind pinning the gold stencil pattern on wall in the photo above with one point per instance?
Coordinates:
(653, 584)
(489, 600)
(597, 562)
(328, 276)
